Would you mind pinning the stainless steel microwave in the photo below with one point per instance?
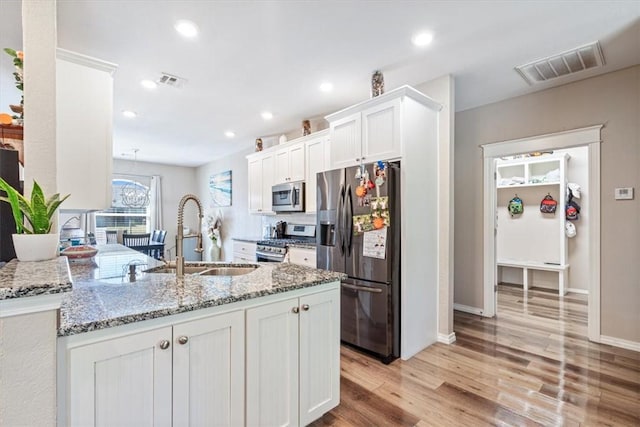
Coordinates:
(288, 197)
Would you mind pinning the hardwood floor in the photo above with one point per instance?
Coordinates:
(531, 365)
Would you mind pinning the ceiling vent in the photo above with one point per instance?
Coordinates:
(171, 80)
(563, 64)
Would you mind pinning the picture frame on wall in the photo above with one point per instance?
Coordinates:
(220, 189)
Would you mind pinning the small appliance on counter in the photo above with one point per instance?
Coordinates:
(275, 249)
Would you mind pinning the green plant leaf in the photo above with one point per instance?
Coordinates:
(13, 199)
(11, 52)
(53, 204)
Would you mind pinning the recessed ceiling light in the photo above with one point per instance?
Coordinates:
(186, 28)
(149, 84)
(229, 134)
(326, 87)
(422, 39)
(129, 114)
(266, 115)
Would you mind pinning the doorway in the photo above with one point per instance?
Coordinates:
(589, 138)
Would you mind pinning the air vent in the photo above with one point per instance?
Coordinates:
(563, 64)
(171, 80)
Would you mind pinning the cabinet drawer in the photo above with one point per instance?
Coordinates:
(303, 256)
(243, 258)
(245, 248)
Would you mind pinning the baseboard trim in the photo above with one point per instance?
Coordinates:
(619, 342)
(447, 339)
(468, 309)
(578, 291)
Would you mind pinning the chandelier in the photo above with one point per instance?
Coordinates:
(134, 194)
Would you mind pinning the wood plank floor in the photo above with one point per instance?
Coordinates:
(532, 365)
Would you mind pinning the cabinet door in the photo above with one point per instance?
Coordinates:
(303, 256)
(381, 127)
(316, 161)
(255, 185)
(84, 134)
(282, 166)
(272, 364)
(122, 381)
(268, 179)
(319, 354)
(208, 371)
(296, 163)
(346, 139)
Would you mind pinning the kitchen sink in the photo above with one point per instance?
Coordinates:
(228, 271)
(207, 270)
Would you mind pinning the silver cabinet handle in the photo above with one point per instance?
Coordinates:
(183, 340)
(305, 307)
(296, 310)
(164, 344)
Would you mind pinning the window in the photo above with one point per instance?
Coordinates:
(121, 217)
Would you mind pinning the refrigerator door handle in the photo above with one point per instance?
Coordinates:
(340, 220)
(362, 288)
(349, 219)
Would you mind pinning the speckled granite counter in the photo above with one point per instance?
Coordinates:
(26, 279)
(98, 302)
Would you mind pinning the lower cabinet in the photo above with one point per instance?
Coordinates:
(188, 374)
(263, 364)
(244, 251)
(303, 256)
(293, 360)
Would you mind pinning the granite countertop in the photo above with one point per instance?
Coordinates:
(26, 279)
(99, 301)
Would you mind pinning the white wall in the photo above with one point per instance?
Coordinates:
(237, 222)
(176, 182)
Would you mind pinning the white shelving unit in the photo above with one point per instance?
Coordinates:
(533, 240)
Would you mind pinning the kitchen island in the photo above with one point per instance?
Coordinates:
(141, 348)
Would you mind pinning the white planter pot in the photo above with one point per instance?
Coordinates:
(36, 247)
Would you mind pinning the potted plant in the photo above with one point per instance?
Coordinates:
(33, 240)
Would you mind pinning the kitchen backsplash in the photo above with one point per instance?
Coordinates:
(293, 218)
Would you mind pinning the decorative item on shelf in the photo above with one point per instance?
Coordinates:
(214, 228)
(377, 83)
(33, 241)
(134, 194)
(306, 127)
(258, 144)
(18, 62)
(282, 139)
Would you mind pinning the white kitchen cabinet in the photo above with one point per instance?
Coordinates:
(244, 251)
(293, 360)
(302, 256)
(84, 120)
(261, 169)
(123, 381)
(371, 132)
(208, 371)
(127, 381)
(290, 163)
(316, 160)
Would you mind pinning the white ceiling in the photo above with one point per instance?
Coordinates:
(252, 56)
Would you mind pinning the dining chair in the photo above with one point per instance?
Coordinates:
(112, 236)
(139, 242)
(155, 235)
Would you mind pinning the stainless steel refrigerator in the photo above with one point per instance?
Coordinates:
(370, 300)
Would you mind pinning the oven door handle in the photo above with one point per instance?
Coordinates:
(269, 256)
(362, 288)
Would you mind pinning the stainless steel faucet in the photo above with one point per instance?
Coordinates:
(180, 235)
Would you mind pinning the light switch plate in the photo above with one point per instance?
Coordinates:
(625, 193)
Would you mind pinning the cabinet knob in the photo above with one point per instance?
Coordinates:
(358, 159)
(363, 158)
(164, 344)
(296, 310)
(183, 340)
(306, 259)
(305, 307)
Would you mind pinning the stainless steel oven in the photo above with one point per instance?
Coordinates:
(288, 197)
(268, 252)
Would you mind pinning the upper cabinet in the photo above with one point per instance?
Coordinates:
(261, 168)
(372, 130)
(290, 163)
(316, 160)
(84, 121)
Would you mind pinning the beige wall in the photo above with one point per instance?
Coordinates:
(237, 222)
(613, 100)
